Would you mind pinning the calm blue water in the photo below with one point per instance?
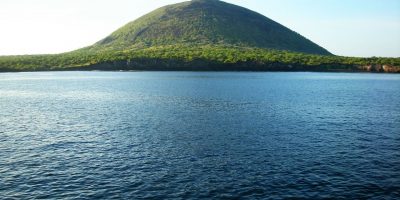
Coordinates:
(221, 135)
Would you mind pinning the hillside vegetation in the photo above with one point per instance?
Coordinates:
(201, 35)
(207, 22)
(207, 57)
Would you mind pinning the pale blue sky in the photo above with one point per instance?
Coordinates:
(344, 27)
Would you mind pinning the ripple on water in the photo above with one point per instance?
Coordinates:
(181, 135)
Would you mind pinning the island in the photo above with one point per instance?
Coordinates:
(201, 35)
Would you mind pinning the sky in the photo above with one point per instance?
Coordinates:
(361, 28)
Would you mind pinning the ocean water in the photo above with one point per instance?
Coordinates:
(199, 135)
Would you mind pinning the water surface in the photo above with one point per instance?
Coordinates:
(134, 135)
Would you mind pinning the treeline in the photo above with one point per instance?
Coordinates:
(194, 57)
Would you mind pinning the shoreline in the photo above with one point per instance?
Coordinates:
(200, 70)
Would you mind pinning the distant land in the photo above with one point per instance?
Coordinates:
(201, 35)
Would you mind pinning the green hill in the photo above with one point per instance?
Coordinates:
(201, 35)
(207, 22)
